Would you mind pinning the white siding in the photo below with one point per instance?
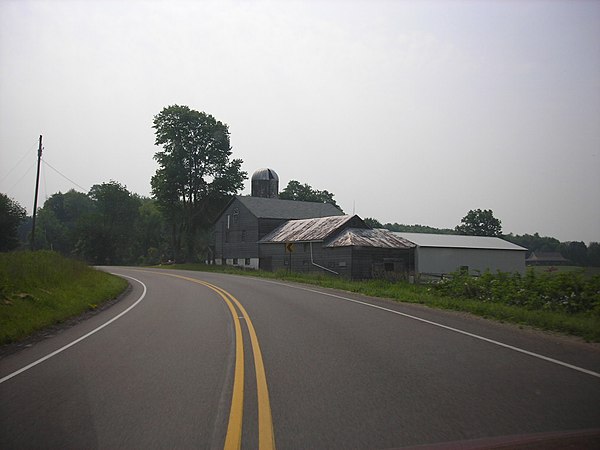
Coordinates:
(446, 260)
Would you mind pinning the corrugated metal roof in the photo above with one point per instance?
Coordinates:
(456, 241)
(306, 230)
(273, 208)
(365, 237)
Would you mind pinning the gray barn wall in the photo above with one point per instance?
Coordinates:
(274, 257)
(255, 229)
(366, 259)
(232, 246)
(348, 262)
(447, 260)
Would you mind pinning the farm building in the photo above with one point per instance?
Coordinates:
(262, 231)
(247, 219)
(547, 259)
(440, 254)
(341, 245)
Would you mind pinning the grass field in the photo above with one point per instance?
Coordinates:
(39, 289)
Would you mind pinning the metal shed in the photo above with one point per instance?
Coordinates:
(439, 254)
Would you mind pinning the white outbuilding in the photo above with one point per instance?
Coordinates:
(440, 254)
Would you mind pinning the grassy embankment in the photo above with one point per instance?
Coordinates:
(566, 302)
(39, 289)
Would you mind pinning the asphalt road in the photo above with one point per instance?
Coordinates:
(198, 360)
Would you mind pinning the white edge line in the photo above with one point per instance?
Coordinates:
(456, 330)
(62, 349)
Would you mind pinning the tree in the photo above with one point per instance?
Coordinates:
(107, 235)
(594, 254)
(150, 233)
(195, 175)
(304, 192)
(373, 223)
(424, 229)
(534, 242)
(11, 216)
(59, 220)
(480, 223)
(575, 251)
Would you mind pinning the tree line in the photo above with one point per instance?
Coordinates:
(480, 222)
(196, 176)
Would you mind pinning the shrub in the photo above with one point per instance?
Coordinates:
(568, 292)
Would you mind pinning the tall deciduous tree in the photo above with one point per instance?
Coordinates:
(11, 215)
(480, 222)
(195, 174)
(304, 192)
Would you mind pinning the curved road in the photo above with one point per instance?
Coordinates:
(200, 360)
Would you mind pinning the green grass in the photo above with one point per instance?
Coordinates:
(584, 324)
(39, 289)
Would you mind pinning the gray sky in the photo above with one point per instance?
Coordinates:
(409, 112)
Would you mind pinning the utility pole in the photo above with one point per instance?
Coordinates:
(37, 186)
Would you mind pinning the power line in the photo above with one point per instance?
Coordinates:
(64, 176)
(27, 153)
(22, 176)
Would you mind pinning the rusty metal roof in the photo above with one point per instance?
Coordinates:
(364, 237)
(307, 230)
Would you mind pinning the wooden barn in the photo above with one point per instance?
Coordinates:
(340, 245)
(246, 220)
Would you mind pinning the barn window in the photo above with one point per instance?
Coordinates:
(247, 261)
(388, 266)
(235, 261)
(342, 264)
(243, 235)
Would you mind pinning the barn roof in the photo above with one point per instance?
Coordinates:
(364, 237)
(547, 257)
(458, 241)
(308, 230)
(273, 208)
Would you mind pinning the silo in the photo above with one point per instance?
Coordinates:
(265, 183)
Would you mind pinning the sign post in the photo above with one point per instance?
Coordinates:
(289, 248)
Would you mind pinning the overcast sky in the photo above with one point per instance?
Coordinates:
(409, 112)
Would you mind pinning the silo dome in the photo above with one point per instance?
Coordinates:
(265, 183)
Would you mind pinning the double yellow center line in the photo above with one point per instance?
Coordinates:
(266, 435)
